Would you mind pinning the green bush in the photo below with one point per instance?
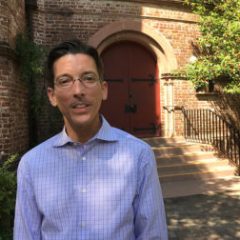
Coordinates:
(7, 196)
(218, 48)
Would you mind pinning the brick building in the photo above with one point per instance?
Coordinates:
(13, 93)
(140, 41)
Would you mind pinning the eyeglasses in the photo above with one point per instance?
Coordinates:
(87, 80)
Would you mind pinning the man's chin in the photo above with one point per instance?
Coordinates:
(84, 121)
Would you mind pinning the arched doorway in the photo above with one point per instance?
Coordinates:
(133, 101)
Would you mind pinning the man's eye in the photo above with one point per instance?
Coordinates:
(89, 78)
(63, 81)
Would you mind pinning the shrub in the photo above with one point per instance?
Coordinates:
(7, 196)
(218, 48)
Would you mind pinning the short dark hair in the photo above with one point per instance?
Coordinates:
(73, 46)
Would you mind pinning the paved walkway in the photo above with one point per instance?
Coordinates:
(207, 216)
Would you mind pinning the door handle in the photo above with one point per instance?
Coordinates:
(134, 108)
(130, 108)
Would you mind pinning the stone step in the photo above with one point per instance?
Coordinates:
(185, 158)
(157, 141)
(180, 150)
(229, 185)
(188, 168)
(200, 175)
(193, 166)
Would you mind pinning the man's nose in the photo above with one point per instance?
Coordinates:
(78, 87)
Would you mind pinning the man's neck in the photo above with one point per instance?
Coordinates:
(82, 134)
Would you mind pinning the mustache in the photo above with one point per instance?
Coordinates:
(79, 102)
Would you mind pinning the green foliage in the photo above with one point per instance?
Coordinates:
(30, 56)
(31, 61)
(7, 197)
(218, 49)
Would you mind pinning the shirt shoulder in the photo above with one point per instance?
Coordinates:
(41, 148)
(129, 139)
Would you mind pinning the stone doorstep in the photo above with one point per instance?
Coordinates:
(188, 159)
(179, 150)
(196, 175)
(164, 140)
(228, 185)
(195, 166)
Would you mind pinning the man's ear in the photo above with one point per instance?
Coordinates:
(104, 90)
(51, 96)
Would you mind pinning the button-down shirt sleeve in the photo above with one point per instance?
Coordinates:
(27, 216)
(150, 220)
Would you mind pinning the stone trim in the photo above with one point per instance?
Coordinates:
(69, 12)
(7, 51)
(157, 2)
(138, 32)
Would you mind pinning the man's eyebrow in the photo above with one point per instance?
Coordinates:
(69, 75)
(63, 75)
(89, 72)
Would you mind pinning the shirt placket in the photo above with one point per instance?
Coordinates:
(82, 190)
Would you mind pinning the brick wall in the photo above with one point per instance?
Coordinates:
(3, 21)
(13, 93)
(58, 20)
(13, 109)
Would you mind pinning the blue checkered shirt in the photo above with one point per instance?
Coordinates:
(104, 189)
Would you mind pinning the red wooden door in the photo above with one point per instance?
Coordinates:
(133, 100)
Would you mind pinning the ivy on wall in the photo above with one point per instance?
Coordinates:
(31, 57)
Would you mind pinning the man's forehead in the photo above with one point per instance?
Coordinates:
(75, 57)
(75, 61)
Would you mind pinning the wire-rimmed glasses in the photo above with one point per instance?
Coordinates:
(88, 80)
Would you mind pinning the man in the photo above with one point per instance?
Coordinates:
(91, 181)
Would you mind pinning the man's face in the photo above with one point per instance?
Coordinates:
(79, 104)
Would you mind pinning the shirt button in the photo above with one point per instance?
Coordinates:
(83, 190)
(83, 158)
(83, 224)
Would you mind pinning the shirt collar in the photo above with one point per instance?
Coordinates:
(105, 133)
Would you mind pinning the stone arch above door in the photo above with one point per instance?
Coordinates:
(141, 33)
